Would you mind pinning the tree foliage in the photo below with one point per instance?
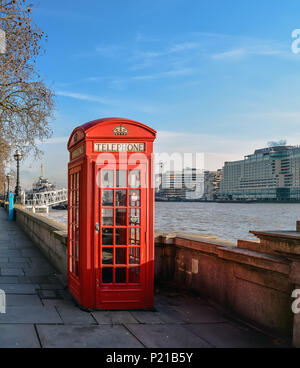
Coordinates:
(26, 103)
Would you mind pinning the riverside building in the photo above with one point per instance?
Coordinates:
(212, 181)
(182, 185)
(269, 174)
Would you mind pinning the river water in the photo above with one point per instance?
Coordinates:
(228, 221)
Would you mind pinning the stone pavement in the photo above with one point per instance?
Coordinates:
(41, 313)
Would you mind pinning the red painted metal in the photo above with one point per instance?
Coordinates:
(111, 215)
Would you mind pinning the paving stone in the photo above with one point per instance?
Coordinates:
(114, 317)
(38, 271)
(10, 253)
(47, 294)
(8, 280)
(30, 314)
(166, 336)
(51, 286)
(19, 259)
(74, 316)
(33, 279)
(59, 303)
(19, 288)
(105, 336)
(31, 253)
(21, 300)
(169, 315)
(3, 259)
(18, 336)
(225, 335)
(12, 272)
(199, 313)
(147, 316)
(6, 265)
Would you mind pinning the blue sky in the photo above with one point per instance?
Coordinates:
(210, 76)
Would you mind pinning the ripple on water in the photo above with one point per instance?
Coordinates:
(229, 221)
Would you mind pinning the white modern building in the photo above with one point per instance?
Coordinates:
(269, 174)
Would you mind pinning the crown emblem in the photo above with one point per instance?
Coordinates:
(120, 130)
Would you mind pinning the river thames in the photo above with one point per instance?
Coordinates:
(228, 221)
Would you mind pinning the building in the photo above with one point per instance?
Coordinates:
(269, 174)
(212, 180)
(182, 185)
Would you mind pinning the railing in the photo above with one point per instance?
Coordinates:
(47, 198)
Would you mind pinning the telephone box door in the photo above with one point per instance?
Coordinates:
(120, 232)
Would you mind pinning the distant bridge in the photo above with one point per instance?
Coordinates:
(44, 200)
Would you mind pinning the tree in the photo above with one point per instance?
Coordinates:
(26, 103)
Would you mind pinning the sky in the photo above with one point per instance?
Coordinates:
(211, 76)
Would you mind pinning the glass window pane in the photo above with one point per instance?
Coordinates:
(134, 179)
(107, 179)
(107, 217)
(120, 275)
(121, 178)
(77, 250)
(121, 198)
(134, 237)
(107, 256)
(134, 255)
(121, 217)
(121, 256)
(107, 237)
(134, 198)
(121, 237)
(77, 268)
(134, 216)
(73, 265)
(107, 275)
(107, 197)
(134, 275)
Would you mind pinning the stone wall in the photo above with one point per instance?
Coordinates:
(50, 237)
(249, 284)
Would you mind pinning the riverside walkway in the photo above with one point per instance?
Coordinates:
(41, 313)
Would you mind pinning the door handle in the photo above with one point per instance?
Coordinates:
(97, 227)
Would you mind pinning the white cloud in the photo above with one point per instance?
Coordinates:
(119, 105)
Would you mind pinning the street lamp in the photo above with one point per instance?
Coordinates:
(18, 157)
(8, 178)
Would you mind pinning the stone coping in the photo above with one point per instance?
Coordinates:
(166, 238)
(52, 225)
(278, 234)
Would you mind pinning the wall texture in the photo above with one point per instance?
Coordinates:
(253, 285)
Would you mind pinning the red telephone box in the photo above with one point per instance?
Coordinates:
(111, 214)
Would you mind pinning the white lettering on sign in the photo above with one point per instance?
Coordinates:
(119, 147)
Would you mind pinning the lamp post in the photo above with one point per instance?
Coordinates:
(18, 157)
(8, 179)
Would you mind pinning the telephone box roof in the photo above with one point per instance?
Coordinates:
(89, 126)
